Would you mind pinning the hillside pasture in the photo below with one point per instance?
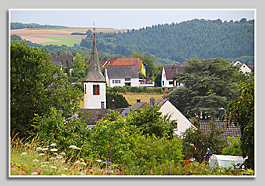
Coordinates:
(55, 36)
(62, 41)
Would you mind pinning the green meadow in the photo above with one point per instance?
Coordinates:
(62, 41)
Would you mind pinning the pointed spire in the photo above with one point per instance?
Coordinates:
(94, 73)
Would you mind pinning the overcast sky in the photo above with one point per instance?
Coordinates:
(124, 18)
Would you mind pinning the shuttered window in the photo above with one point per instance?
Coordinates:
(96, 90)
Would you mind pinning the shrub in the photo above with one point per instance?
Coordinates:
(120, 101)
(235, 148)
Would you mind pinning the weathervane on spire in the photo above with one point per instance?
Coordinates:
(94, 28)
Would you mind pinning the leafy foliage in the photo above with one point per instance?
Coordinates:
(120, 101)
(150, 121)
(241, 112)
(235, 148)
(207, 87)
(78, 66)
(196, 141)
(36, 86)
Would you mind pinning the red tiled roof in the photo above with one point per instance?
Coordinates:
(125, 61)
(129, 61)
(102, 63)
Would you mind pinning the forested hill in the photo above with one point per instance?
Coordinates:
(180, 41)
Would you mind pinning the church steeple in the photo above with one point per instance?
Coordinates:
(94, 83)
(94, 73)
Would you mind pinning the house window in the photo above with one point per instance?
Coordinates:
(171, 82)
(116, 81)
(127, 79)
(85, 88)
(163, 83)
(96, 90)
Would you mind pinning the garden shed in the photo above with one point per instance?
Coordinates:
(225, 161)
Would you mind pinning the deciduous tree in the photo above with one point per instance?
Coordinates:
(36, 86)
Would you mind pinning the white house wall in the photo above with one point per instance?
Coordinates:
(134, 82)
(164, 79)
(182, 122)
(245, 69)
(94, 101)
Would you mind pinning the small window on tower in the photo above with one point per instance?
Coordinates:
(96, 90)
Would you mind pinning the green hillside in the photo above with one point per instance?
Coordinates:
(177, 42)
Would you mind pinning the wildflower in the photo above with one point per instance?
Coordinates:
(41, 154)
(53, 167)
(59, 157)
(38, 171)
(83, 163)
(35, 160)
(53, 150)
(34, 173)
(23, 153)
(65, 169)
(63, 153)
(44, 165)
(38, 148)
(74, 147)
(98, 161)
(52, 158)
(77, 162)
(44, 149)
(53, 144)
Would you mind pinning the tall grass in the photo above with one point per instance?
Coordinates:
(30, 158)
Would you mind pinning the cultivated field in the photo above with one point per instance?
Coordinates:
(144, 97)
(57, 36)
(132, 97)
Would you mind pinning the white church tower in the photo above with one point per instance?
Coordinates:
(94, 83)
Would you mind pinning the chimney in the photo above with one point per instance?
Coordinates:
(113, 106)
(152, 102)
(221, 113)
(138, 101)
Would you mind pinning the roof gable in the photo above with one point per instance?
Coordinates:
(61, 59)
(170, 70)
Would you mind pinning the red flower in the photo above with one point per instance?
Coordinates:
(37, 171)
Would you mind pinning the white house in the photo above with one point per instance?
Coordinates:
(243, 67)
(121, 75)
(94, 83)
(181, 121)
(167, 77)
